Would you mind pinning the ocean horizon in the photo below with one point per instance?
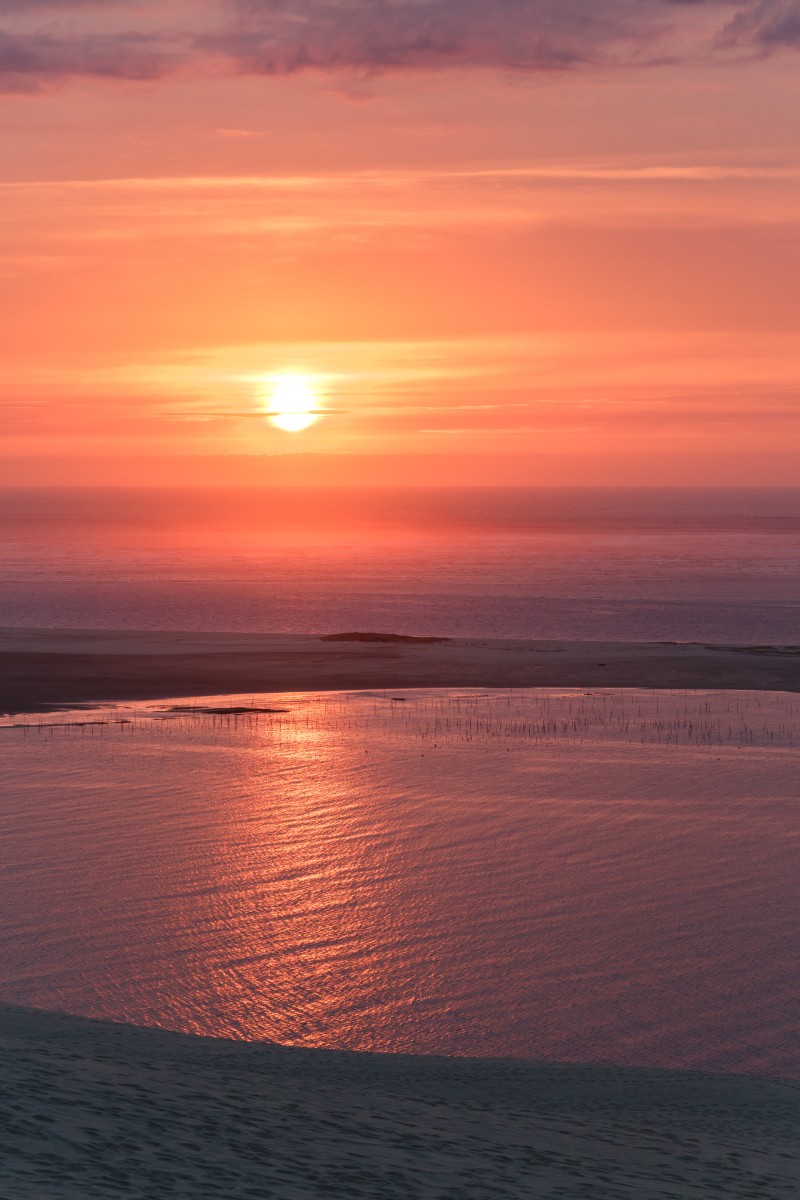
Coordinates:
(678, 564)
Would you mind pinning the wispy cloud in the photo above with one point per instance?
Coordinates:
(768, 25)
(589, 172)
(27, 61)
(373, 37)
(26, 6)
(49, 222)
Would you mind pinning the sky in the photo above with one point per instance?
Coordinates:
(400, 241)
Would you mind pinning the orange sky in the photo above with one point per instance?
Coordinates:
(536, 241)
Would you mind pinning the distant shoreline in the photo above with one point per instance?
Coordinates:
(46, 669)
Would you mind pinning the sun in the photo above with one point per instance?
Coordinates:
(293, 400)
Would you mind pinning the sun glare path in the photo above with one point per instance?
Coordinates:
(293, 401)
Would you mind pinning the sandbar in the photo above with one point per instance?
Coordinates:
(51, 668)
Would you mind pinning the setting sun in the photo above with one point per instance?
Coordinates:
(293, 401)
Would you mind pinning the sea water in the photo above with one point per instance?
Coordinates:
(558, 874)
(624, 564)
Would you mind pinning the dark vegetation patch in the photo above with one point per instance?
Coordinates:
(60, 724)
(237, 711)
(383, 637)
(784, 651)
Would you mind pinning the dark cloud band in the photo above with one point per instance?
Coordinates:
(770, 24)
(29, 61)
(279, 37)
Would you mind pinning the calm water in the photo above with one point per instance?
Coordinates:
(608, 876)
(626, 564)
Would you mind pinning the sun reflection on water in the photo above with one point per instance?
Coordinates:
(551, 874)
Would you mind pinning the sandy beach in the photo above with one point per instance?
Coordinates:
(41, 669)
(93, 1109)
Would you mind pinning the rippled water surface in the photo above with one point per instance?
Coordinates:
(552, 874)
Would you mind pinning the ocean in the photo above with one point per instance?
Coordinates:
(609, 564)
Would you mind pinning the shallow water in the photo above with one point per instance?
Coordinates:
(548, 874)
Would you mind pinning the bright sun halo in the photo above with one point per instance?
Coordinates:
(293, 400)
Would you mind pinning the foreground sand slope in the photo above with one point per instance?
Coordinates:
(47, 668)
(92, 1109)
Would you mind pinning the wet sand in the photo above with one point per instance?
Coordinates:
(93, 1109)
(41, 669)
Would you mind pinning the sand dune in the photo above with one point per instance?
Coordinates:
(92, 1109)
